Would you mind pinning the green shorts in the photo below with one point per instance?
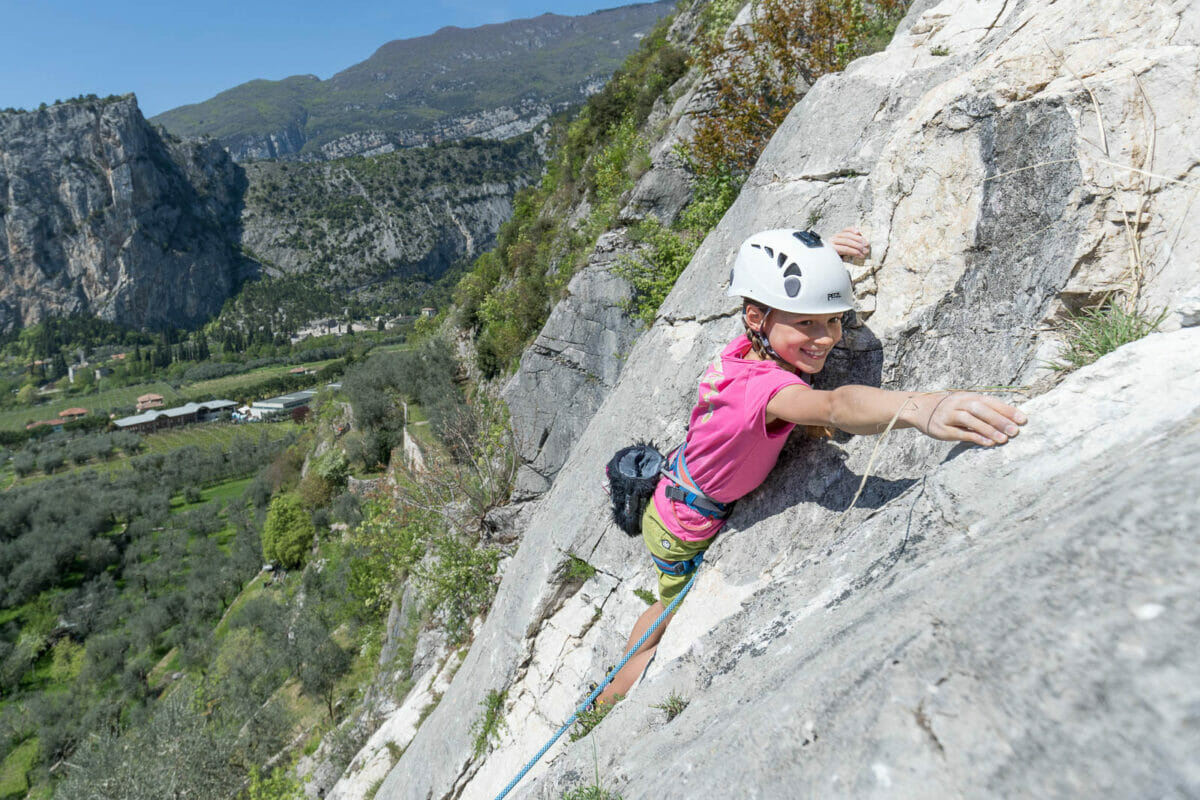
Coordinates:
(667, 546)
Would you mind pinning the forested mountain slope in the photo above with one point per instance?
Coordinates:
(494, 81)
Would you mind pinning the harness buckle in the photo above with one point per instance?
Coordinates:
(678, 568)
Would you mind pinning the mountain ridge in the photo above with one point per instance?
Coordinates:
(423, 90)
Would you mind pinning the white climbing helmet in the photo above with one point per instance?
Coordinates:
(791, 271)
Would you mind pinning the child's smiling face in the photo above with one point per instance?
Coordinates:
(803, 340)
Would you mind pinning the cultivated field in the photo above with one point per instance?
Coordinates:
(17, 418)
(227, 387)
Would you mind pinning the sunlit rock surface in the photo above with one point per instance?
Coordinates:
(1011, 622)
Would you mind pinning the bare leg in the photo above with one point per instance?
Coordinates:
(636, 665)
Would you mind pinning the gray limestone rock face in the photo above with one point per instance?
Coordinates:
(1018, 623)
(280, 144)
(579, 354)
(101, 213)
(1008, 622)
(495, 123)
(447, 225)
(567, 371)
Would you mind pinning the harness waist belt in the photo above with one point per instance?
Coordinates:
(706, 506)
(678, 567)
(685, 490)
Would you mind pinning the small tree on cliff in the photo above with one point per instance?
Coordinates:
(28, 395)
(288, 531)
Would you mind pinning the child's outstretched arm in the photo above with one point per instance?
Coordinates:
(952, 417)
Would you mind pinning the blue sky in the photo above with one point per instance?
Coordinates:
(171, 53)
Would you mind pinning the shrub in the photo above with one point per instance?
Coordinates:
(346, 508)
(384, 549)
(611, 168)
(16, 767)
(323, 660)
(288, 531)
(489, 723)
(24, 463)
(458, 581)
(50, 460)
(577, 569)
(593, 792)
(759, 69)
(315, 492)
(591, 718)
(654, 270)
(666, 252)
(279, 785)
(645, 596)
(333, 467)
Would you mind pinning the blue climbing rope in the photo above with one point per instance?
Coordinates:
(596, 692)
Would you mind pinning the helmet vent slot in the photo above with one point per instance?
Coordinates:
(782, 259)
(770, 253)
(791, 285)
(793, 269)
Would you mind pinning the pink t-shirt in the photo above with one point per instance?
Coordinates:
(730, 450)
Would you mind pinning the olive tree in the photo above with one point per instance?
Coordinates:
(288, 531)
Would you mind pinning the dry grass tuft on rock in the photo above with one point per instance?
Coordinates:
(1097, 331)
(673, 706)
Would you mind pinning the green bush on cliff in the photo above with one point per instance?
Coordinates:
(759, 71)
(288, 531)
(509, 292)
(490, 722)
(756, 77)
(666, 251)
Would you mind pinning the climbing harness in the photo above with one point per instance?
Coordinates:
(686, 491)
(678, 568)
(608, 678)
(633, 474)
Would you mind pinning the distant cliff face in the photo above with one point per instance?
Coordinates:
(494, 81)
(100, 213)
(355, 221)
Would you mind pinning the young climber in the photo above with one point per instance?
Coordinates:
(794, 290)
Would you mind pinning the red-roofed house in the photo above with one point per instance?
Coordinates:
(150, 401)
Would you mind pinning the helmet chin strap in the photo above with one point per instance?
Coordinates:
(760, 339)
